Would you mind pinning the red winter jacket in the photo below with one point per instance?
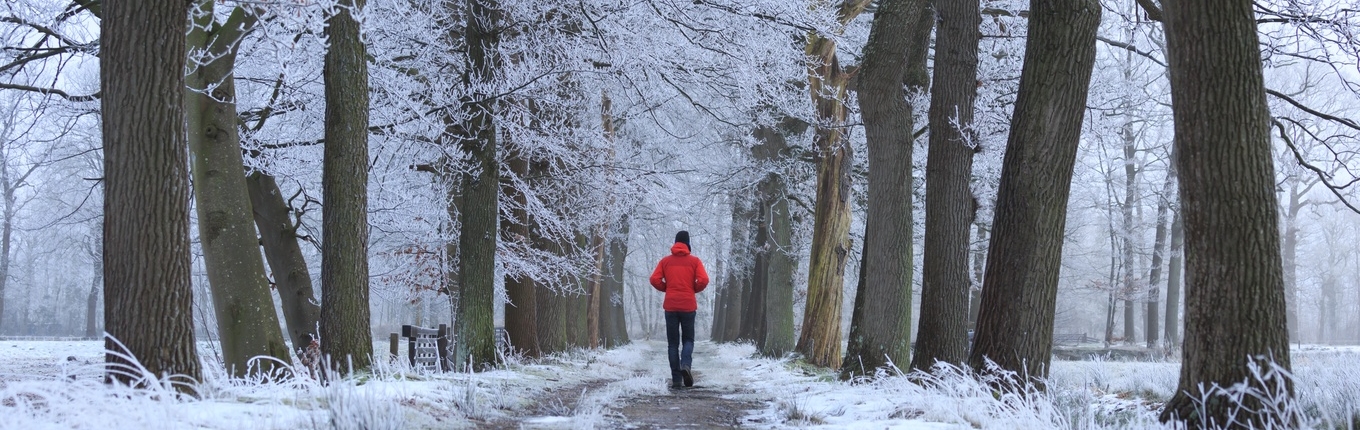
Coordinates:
(680, 275)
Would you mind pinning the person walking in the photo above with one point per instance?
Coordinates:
(680, 275)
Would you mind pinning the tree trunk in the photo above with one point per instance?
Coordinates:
(739, 263)
(148, 308)
(6, 232)
(345, 335)
(753, 297)
(1173, 284)
(979, 270)
(1127, 235)
(278, 235)
(551, 305)
(247, 325)
(615, 325)
(480, 190)
(1235, 299)
(820, 340)
(1015, 327)
(779, 296)
(1289, 260)
(521, 313)
(1158, 249)
(897, 45)
(92, 304)
(599, 242)
(946, 314)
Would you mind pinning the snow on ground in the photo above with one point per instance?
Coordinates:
(57, 385)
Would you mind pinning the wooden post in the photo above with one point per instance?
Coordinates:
(394, 342)
(409, 333)
(443, 345)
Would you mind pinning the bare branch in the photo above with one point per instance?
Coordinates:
(50, 91)
(1322, 175)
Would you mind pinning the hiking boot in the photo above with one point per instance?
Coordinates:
(687, 376)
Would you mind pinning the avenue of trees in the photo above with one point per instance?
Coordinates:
(873, 185)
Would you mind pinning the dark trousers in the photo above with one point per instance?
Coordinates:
(679, 329)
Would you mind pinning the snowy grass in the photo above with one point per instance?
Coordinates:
(58, 385)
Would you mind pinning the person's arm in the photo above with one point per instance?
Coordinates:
(700, 276)
(657, 281)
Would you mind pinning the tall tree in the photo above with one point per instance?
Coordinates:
(476, 346)
(894, 65)
(246, 322)
(1235, 301)
(950, 207)
(820, 340)
(345, 335)
(1019, 292)
(1127, 235)
(148, 306)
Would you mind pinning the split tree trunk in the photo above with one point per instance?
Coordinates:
(247, 325)
(820, 340)
(278, 236)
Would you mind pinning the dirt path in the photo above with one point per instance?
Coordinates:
(720, 398)
(694, 407)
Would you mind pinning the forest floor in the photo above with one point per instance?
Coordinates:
(58, 385)
(720, 398)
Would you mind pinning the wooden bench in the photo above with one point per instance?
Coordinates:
(1071, 339)
(425, 348)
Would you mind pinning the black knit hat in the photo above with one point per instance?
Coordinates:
(683, 237)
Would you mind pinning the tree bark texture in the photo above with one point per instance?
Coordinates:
(476, 346)
(950, 205)
(148, 307)
(345, 336)
(1235, 299)
(898, 42)
(278, 236)
(820, 339)
(247, 325)
(1015, 325)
